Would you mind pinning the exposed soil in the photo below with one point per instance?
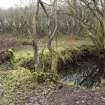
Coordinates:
(64, 96)
(33, 96)
(76, 97)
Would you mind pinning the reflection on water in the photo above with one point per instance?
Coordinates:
(77, 78)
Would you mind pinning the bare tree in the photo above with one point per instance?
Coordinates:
(35, 44)
(53, 13)
(52, 33)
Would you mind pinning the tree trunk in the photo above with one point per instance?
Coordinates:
(35, 45)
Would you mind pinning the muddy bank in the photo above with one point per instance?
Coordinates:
(84, 57)
(70, 60)
(85, 61)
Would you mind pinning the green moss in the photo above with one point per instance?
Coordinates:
(21, 56)
(69, 85)
(10, 82)
(42, 77)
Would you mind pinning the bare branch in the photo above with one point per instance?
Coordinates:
(43, 7)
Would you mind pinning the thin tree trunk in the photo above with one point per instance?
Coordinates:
(35, 45)
(52, 34)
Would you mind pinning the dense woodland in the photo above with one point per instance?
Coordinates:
(56, 46)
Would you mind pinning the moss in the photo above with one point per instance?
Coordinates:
(10, 54)
(42, 77)
(10, 82)
(69, 85)
(23, 55)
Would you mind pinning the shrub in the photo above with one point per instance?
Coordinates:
(43, 77)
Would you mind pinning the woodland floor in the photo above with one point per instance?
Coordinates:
(27, 92)
(63, 96)
(67, 97)
(18, 87)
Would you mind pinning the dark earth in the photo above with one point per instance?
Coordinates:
(64, 96)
